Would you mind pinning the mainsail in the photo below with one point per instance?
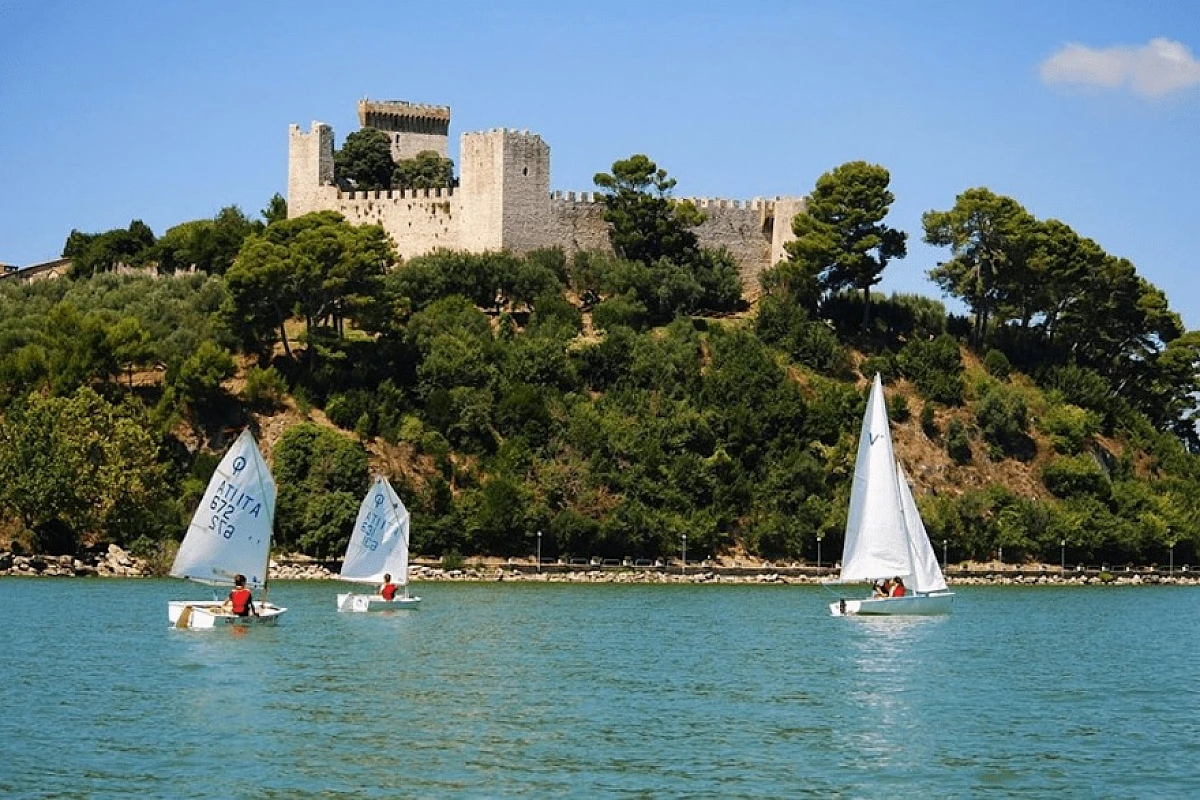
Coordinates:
(379, 544)
(230, 533)
(877, 542)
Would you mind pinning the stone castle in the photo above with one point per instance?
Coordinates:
(503, 200)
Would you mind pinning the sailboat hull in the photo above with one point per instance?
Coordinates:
(374, 602)
(205, 614)
(911, 605)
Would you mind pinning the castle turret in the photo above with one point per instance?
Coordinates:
(310, 166)
(412, 127)
(505, 191)
(785, 210)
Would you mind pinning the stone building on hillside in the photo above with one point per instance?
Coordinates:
(503, 200)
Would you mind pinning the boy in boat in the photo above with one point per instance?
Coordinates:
(388, 590)
(898, 588)
(882, 588)
(240, 602)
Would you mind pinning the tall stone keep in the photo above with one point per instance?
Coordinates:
(411, 127)
(505, 191)
(310, 167)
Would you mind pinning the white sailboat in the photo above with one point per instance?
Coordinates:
(230, 535)
(378, 547)
(885, 537)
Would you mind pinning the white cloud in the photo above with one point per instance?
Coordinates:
(1150, 70)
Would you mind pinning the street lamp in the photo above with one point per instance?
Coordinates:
(685, 552)
(1062, 556)
(1171, 571)
(539, 552)
(820, 536)
(945, 542)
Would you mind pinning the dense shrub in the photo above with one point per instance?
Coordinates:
(935, 367)
(1003, 420)
(265, 388)
(1070, 427)
(884, 365)
(786, 325)
(928, 422)
(997, 365)
(958, 444)
(1072, 476)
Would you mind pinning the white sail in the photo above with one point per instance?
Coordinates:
(876, 543)
(379, 544)
(230, 533)
(926, 574)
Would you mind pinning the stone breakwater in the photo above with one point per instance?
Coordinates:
(114, 562)
(109, 562)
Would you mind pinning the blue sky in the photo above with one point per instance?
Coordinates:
(1088, 112)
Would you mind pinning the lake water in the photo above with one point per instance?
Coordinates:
(564, 690)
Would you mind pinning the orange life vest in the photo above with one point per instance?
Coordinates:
(240, 599)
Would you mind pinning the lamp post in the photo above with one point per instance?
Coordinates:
(539, 552)
(945, 542)
(1171, 570)
(820, 536)
(685, 553)
(1000, 555)
(1062, 556)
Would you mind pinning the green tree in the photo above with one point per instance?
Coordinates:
(276, 210)
(425, 170)
(990, 238)
(91, 254)
(79, 465)
(321, 475)
(129, 342)
(197, 381)
(365, 160)
(841, 236)
(646, 223)
(262, 295)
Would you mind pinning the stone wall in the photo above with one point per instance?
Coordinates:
(418, 220)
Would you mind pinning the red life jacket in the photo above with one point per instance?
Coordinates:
(898, 591)
(240, 599)
(388, 591)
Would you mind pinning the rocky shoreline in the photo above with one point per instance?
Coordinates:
(109, 562)
(113, 562)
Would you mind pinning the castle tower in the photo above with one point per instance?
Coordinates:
(505, 191)
(410, 126)
(310, 166)
(785, 210)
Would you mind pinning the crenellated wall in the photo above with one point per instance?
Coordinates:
(504, 201)
(418, 220)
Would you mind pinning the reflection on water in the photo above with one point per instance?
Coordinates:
(495, 690)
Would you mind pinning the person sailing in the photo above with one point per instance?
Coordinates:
(898, 589)
(388, 590)
(241, 601)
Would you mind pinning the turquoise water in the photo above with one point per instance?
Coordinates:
(558, 690)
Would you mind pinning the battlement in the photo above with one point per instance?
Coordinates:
(577, 197)
(403, 116)
(438, 193)
(507, 132)
(755, 204)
